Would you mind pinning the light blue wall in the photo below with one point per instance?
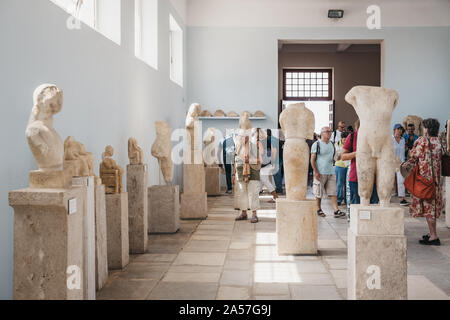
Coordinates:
(109, 95)
(237, 68)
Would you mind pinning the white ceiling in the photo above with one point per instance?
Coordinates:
(313, 13)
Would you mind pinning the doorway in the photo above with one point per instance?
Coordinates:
(319, 74)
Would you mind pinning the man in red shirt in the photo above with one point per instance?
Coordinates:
(349, 153)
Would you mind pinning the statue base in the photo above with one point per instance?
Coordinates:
(296, 225)
(194, 206)
(101, 249)
(193, 178)
(377, 267)
(48, 243)
(212, 181)
(117, 228)
(60, 179)
(137, 176)
(87, 185)
(163, 209)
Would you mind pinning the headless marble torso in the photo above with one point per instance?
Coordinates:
(162, 149)
(375, 150)
(297, 123)
(193, 153)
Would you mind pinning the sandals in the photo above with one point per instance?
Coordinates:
(339, 214)
(435, 242)
(254, 219)
(241, 217)
(321, 213)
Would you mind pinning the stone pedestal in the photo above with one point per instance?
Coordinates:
(377, 266)
(163, 209)
(235, 197)
(117, 230)
(212, 181)
(61, 179)
(87, 184)
(447, 201)
(194, 202)
(48, 243)
(296, 227)
(137, 176)
(101, 248)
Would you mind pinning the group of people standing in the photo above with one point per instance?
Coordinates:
(251, 160)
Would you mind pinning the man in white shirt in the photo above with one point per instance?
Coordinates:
(336, 135)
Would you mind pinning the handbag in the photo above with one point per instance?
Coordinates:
(418, 185)
(445, 163)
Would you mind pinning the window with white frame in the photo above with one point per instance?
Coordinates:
(146, 31)
(176, 51)
(101, 15)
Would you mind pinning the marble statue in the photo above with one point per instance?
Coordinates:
(219, 113)
(193, 146)
(297, 123)
(210, 157)
(162, 149)
(77, 158)
(417, 121)
(259, 114)
(135, 153)
(244, 121)
(375, 157)
(110, 173)
(46, 145)
(205, 113)
(232, 114)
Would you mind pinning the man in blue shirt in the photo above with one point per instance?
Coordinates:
(410, 138)
(322, 156)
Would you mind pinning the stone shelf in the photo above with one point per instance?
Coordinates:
(230, 118)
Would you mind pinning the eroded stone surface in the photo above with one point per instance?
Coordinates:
(101, 249)
(137, 176)
(194, 206)
(117, 227)
(163, 209)
(42, 256)
(77, 159)
(212, 182)
(45, 143)
(376, 157)
(416, 121)
(162, 149)
(135, 153)
(297, 123)
(297, 227)
(111, 173)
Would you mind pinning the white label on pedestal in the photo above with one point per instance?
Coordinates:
(364, 215)
(73, 206)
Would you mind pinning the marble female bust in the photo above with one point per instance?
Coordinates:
(45, 143)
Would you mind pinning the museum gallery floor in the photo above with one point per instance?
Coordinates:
(219, 258)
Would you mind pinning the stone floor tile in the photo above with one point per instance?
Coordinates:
(340, 278)
(237, 265)
(194, 269)
(233, 293)
(336, 263)
(285, 272)
(157, 257)
(268, 298)
(207, 246)
(314, 293)
(183, 291)
(202, 259)
(420, 288)
(236, 278)
(142, 270)
(239, 245)
(270, 289)
(126, 289)
(191, 277)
